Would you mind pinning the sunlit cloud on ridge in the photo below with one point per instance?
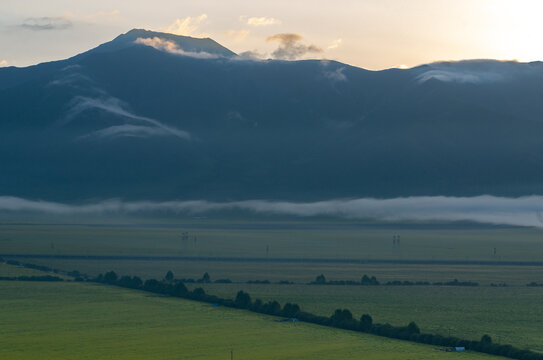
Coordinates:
(173, 48)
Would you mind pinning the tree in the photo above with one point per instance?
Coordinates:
(110, 277)
(206, 278)
(127, 281)
(366, 280)
(198, 293)
(257, 305)
(320, 279)
(153, 285)
(179, 290)
(340, 316)
(366, 322)
(137, 282)
(243, 300)
(413, 328)
(272, 308)
(486, 339)
(291, 310)
(169, 276)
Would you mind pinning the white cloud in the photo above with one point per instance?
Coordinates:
(70, 79)
(522, 211)
(114, 106)
(262, 21)
(460, 76)
(173, 48)
(476, 71)
(237, 35)
(187, 26)
(47, 23)
(127, 130)
(3, 63)
(335, 44)
(336, 75)
(254, 55)
(290, 46)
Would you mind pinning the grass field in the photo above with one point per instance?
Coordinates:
(88, 321)
(302, 272)
(302, 239)
(511, 315)
(286, 239)
(13, 271)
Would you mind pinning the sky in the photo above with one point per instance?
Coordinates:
(373, 34)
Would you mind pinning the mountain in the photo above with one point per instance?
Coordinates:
(187, 43)
(158, 116)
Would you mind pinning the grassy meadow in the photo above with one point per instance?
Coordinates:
(14, 271)
(301, 239)
(509, 314)
(89, 321)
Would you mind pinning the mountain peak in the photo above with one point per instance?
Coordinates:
(185, 43)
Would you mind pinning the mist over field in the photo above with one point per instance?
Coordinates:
(522, 211)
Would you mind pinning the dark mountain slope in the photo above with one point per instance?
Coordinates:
(133, 121)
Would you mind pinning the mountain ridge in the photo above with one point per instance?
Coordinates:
(139, 121)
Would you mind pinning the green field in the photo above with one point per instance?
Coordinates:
(89, 321)
(510, 314)
(14, 271)
(301, 239)
(284, 239)
(302, 272)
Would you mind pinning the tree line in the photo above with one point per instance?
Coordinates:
(372, 281)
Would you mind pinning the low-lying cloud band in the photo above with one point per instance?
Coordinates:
(522, 211)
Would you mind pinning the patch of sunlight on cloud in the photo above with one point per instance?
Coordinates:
(335, 44)
(237, 35)
(262, 21)
(187, 26)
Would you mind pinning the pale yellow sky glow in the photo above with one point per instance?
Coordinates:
(374, 34)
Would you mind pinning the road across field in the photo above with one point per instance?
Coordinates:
(273, 259)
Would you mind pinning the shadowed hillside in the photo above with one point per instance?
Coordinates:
(158, 116)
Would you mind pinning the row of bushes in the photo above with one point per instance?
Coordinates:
(367, 280)
(341, 318)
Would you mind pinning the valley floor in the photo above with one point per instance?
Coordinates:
(71, 320)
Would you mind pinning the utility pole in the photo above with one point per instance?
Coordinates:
(231, 354)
